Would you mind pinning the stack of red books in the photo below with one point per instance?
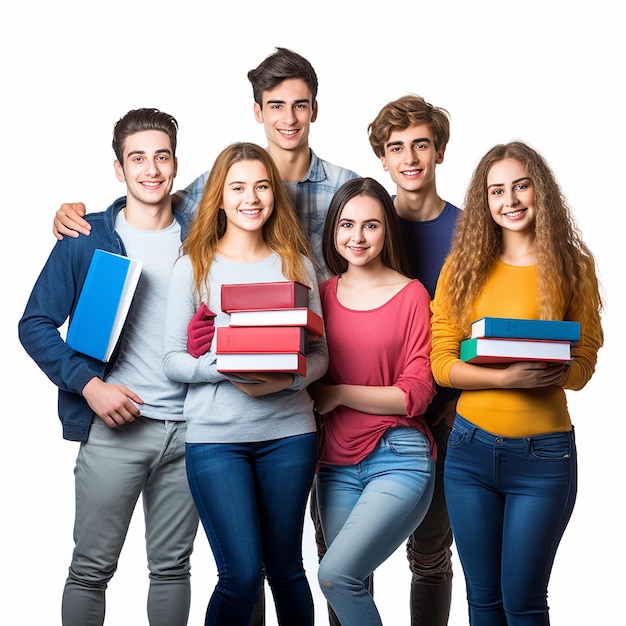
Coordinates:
(270, 326)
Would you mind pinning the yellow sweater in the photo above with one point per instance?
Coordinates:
(510, 292)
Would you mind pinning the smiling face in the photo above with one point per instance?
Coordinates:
(411, 157)
(511, 196)
(248, 199)
(149, 168)
(360, 234)
(286, 115)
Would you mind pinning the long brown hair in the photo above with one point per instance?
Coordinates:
(282, 231)
(563, 258)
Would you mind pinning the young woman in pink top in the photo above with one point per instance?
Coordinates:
(376, 468)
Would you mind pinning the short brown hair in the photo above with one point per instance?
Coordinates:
(407, 111)
(279, 66)
(139, 120)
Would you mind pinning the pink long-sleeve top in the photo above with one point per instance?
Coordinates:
(389, 345)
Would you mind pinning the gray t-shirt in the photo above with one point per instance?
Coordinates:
(140, 363)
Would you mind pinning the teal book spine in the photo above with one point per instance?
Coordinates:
(103, 304)
(515, 328)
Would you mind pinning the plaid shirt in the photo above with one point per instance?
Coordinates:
(311, 197)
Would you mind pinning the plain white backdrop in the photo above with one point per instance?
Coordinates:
(549, 73)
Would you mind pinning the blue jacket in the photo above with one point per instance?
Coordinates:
(53, 300)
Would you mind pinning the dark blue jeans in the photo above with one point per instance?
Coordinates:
(509, 501)
(251, 498)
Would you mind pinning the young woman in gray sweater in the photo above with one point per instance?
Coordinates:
(251, 438)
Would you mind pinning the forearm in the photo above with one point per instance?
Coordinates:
(518, 375)
(376, 400)
(467, 376)
(316, 364)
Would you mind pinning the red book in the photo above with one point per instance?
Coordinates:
(260, 339)
(290, 362)
(286, 294)
(304, 316)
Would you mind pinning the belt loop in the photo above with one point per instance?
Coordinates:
(471, 431)
(468, 429)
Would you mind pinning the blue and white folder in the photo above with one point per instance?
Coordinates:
(103, 304)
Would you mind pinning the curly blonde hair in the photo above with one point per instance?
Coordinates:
(563, 258)
(282, 231)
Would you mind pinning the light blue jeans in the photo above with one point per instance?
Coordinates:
(368, 510)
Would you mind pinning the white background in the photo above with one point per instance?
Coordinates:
(549, 73)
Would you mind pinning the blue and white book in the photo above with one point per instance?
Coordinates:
(516, 328)
(103, 304)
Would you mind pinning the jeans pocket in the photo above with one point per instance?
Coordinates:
(557, 446)
(457, 437)
(404, 441)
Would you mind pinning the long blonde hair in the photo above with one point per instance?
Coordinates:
(282, 231)
(563, 258)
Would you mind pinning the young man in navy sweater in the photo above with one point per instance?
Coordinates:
(410, 137)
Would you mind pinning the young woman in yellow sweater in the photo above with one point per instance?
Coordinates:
(510, 471)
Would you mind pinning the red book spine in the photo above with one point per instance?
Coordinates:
(286, 294)
(230, 339)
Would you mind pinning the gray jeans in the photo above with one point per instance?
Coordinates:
(113, 468)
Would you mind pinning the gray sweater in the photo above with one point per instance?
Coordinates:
(216, 411)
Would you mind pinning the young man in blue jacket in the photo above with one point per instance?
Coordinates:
(126, 414)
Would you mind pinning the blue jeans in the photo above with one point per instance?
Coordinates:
(509, 501)
(251, 498)
(367, 510)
